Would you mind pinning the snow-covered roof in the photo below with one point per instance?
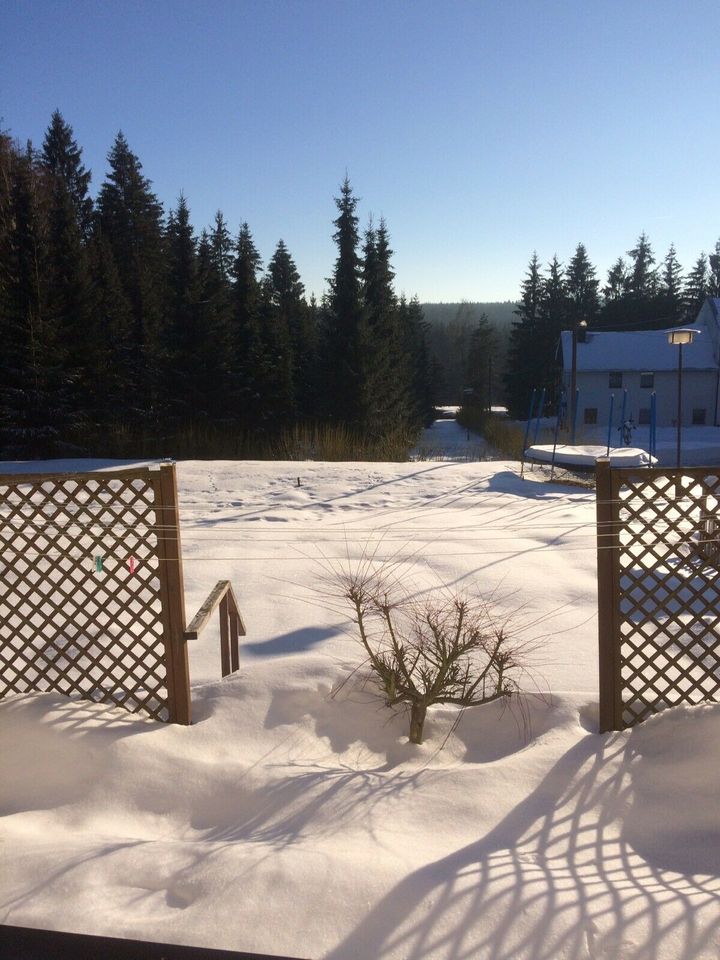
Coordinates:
(637, 350)
(710, 312)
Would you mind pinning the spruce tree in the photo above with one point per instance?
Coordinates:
(292, 320)
(581, 287)
(615, 311)
(554, 318)
(522, 374)
(68, 306)
(78, 353)
(413, 338)
(114, 381)
(183, 335)
(481, 361)
(341, 347)
(245, 398)
(642, 285)
(130, 217)
(617, 281)
(34, 404)
(696, 288)
(713, 280)
(62, 158)
(221, 249)
(669, 296)
(274, 367)
(631, 293)
(642, 278)
(215, 318)
(386, 370)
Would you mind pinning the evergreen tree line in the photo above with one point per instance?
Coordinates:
(639, 294)
(118, 320)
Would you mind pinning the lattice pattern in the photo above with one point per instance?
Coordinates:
(64, 625)
(668, 603)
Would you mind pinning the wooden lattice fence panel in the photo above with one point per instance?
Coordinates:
(113, 634)
(658, 590)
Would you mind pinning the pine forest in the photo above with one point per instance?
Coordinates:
(125, 333)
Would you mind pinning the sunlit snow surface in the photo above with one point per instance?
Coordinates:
(289, 821)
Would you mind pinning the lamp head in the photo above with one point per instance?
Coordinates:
(681, 335)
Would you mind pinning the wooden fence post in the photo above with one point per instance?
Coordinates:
(608, 638)
(224, 637)
(173, 596)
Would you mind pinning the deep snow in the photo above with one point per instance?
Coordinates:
(286, 820)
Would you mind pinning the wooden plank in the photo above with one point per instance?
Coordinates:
(27, 943)
(172, 594)
(608, 633)
(234, 645)
(224, 637)
(15, 479)
(236, 608)
(202, 617)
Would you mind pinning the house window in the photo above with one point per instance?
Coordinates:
(615, 379)
(698, 418)
(590, 415)
(644, 415)
(647, 380)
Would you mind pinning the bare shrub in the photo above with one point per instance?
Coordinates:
(446, 649)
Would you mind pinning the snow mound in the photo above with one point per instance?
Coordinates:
(586, 455)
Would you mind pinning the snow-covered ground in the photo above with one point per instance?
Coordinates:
(447, 440)
(286, 820)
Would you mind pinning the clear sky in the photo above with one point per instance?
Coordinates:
(480, 130)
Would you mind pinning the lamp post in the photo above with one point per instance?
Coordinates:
(679, 338)
(578, 325)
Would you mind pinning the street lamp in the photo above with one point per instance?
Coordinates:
(680, 337)
(578, 326)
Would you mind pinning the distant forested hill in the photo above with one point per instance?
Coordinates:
(499, 313)
(449, 336)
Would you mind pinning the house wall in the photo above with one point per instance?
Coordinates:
(699, 393)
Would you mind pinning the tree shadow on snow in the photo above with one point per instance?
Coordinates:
(315, 800)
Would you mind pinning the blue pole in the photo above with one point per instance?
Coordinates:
(622, 415)
(575, 413)
(612, 404)
(653, 422)
(555, 438)
(539, 414)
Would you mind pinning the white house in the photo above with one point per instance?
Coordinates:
(642, 361)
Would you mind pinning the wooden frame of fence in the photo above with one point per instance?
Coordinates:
(28, 943)
(658, 591)
(92, 601)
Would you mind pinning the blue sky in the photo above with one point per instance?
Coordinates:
(480, 130)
